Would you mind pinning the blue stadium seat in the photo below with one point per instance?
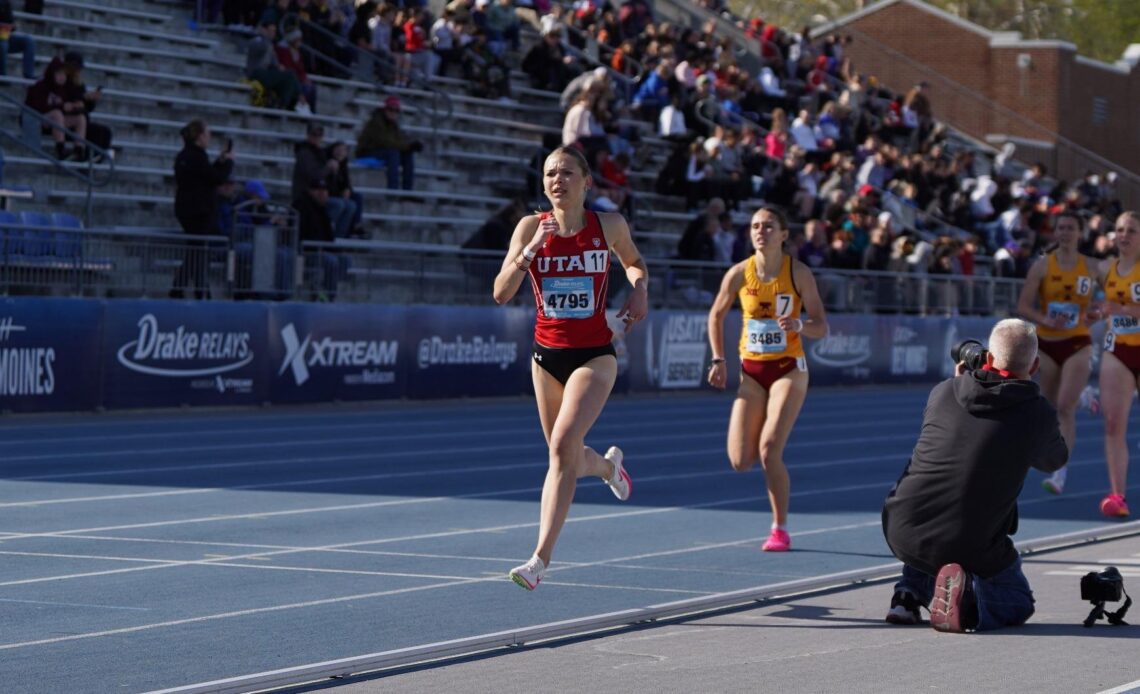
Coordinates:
(67, 243)
(37, 242)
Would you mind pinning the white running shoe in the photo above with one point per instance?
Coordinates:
(1055, 483)
(529, 574)
(620, 483)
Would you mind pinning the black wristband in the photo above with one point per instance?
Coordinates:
(717, 360)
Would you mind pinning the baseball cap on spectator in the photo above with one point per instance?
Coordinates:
(886, 217)
(392, 102)
(256, 189)
(866, 190)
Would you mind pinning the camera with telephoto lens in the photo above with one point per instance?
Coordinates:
(969, 352)
(1102, 586)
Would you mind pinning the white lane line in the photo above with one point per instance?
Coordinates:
(262, 445)
(538, 447)
(357, 572)
(686, 416)
(435, 535)
(820, 403)
(1129, 688)
(54, 603)
(639, 589)
(58, 555)
(317, 481)
(385, 593)
(242, 545)
(237, 613)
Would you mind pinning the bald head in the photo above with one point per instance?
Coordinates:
(1013, 344)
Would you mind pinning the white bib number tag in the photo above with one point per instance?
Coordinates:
(1071, 313)
(1125, 325)
(568, 297)
(765, 337)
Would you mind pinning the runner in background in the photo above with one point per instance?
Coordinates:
(566, 254)
(1056, 296)
(1120, 362)
(773, 289)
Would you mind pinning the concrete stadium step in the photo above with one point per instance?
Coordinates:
(74, 8)
(126, 36)
(192, 60)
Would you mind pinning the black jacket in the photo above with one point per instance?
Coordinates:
(313, 223)
(957, 499)
(197, 181)
(310, 165)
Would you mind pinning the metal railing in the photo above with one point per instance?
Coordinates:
(373, 271)
(264, 264)
(28, 135)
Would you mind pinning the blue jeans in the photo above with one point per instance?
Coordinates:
(1004, 599)
(396, 162)
(341, 213)
(24, 45)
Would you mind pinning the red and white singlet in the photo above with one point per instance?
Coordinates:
(570, 275)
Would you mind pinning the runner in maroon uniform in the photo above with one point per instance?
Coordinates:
(566, 254)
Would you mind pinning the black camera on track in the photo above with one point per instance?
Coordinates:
(1099, 587)
(1102, 586)
(970, 352)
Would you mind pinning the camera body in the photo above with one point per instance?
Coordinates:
(1102, 586)
(970, 352)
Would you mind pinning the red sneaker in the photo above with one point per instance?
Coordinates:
(1114, 506)
(953, 608)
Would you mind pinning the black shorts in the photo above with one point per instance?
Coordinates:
(561, 362)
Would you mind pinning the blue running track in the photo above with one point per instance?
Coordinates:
(145, 551)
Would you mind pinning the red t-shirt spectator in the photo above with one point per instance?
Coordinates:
(614, 173)
(415, 38)
(294, 65)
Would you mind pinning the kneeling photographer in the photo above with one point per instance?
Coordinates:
(950, 515)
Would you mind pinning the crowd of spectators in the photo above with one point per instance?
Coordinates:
(869, 177)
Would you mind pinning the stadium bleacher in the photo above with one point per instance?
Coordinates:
(160, 70)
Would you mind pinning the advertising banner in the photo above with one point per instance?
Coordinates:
(172, 353)
(469, 351)
(322, 353)
(49, 351)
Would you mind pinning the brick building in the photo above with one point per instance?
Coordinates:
(1058, 107)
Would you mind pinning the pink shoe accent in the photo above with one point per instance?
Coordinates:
(1114, 506)
(778, 541)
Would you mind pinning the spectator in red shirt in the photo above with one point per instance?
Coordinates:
(291, 59)
(416, 41)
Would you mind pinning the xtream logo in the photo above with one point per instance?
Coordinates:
(300, 355)
(158, 352)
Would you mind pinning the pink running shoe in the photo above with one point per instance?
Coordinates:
(778, 541)
(1114, 506)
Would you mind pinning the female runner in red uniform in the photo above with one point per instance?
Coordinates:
(566, 254)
